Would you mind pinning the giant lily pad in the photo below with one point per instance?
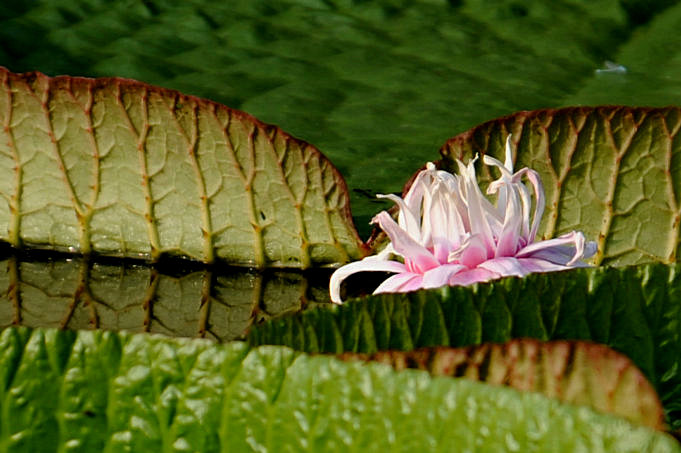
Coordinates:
(118, 167)
(634, 310)
(576, 372)
(104, 391)
(611, 172)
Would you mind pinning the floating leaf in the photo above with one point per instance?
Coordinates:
(575, 372)
(612, 172)
(118, 167)
(105, 391)
(634, 310)
(219, 304)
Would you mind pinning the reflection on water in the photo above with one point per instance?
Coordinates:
(217, 303)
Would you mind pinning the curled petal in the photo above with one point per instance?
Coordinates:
(565, 254)
(520, 267)
(480, 210)
(407, 219)
(510, 235)
(557, 248)
(507, 167)
(590, 249)
(443, 247)
(494, 162)
(443, 228)
(505, 267)
(419, 187)
(471, 253)
(400, 283)
(470, 276)
(501, 186)
(542, 265)
(508, 163)
(535, 180)
(367, 264)
(441, 275)
(416, 257)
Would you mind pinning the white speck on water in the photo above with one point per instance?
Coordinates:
(610, 67)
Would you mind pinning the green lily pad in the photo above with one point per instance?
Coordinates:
(118, 167)
(105, 391)
(634, 310)
(575, 372)
(611, 172)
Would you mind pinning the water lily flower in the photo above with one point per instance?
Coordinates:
(448, 233)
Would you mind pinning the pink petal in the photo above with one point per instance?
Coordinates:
(441, 215)
(367, 264)
(557, 246)
(468, 277)
(540, 265)
(414, 196)
(520, 267)
(494, 162)
(479, 207)
(501, 186)
(417, 258)
(535, 180)
(400, 283)
(508, 163)
(508, 241)
(442, 222)
(440, 276)
(590, 249)
(507, 244)
(435, 221)
(557, 255)
(442, 247)
(506, 267)
(474, 252)
(408, 220)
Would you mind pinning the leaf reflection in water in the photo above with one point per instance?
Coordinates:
(219, 303)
